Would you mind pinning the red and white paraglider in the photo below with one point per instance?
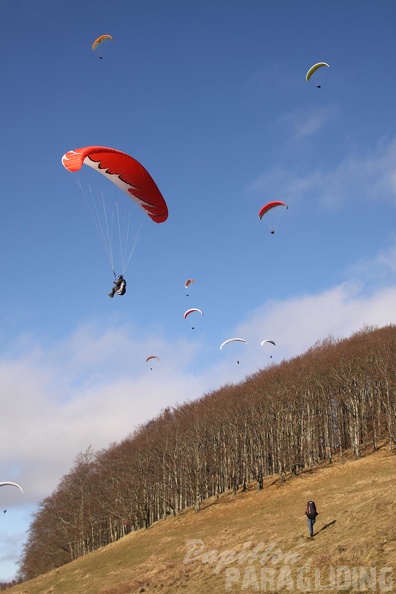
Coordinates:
(110, 209)
(192, 310)
(125, 172)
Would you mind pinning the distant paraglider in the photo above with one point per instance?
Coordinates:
(8, 484)
(267, 208)
(151, 358)
(190, 311)
(229, 340)
(269, 341)
(188, 282)
(313, 69)
(100, 44)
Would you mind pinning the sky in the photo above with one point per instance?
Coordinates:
(210, 97)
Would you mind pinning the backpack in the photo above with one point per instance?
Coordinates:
(311, 510)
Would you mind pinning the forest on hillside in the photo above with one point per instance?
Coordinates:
(340, 395)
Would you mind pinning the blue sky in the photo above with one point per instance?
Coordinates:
(211, 97)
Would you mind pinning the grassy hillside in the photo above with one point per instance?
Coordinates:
(257, 541)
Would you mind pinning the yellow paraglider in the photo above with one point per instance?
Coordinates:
(313, 69)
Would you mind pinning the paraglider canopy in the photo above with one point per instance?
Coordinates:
(269, 206)
(6, 497)
(188, 282)
(232, 340)
(314, 68)
(267, 340)
(151, 358)
(190, 311)
(101, 42)
(272, 218)
(3, 484)
(110, 211)
(125, 172)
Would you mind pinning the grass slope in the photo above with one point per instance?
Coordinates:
(257, 541)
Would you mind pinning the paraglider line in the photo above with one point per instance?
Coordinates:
(93, 211)
(134, 246)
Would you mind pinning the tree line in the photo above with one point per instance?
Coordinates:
(339, 395)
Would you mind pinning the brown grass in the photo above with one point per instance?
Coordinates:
(355, 529)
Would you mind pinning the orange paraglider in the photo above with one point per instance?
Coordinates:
(101, 43)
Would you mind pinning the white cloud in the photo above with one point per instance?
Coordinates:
(298, 323)
(92, 389)
(305, 123)
(356, 179)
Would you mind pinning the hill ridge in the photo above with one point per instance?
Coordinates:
(256, 540)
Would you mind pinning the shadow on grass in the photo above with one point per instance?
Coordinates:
(325, 527)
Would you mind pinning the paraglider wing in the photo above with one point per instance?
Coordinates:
(152, 357)
(124, 171)
(190, 311)
(269, 206)
(188, 282)
(267, 340)
(3, 484)
(314, 68)
(101, 39)
(6, 495)
(232, 340)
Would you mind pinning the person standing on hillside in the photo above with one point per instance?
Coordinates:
(311, 514)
